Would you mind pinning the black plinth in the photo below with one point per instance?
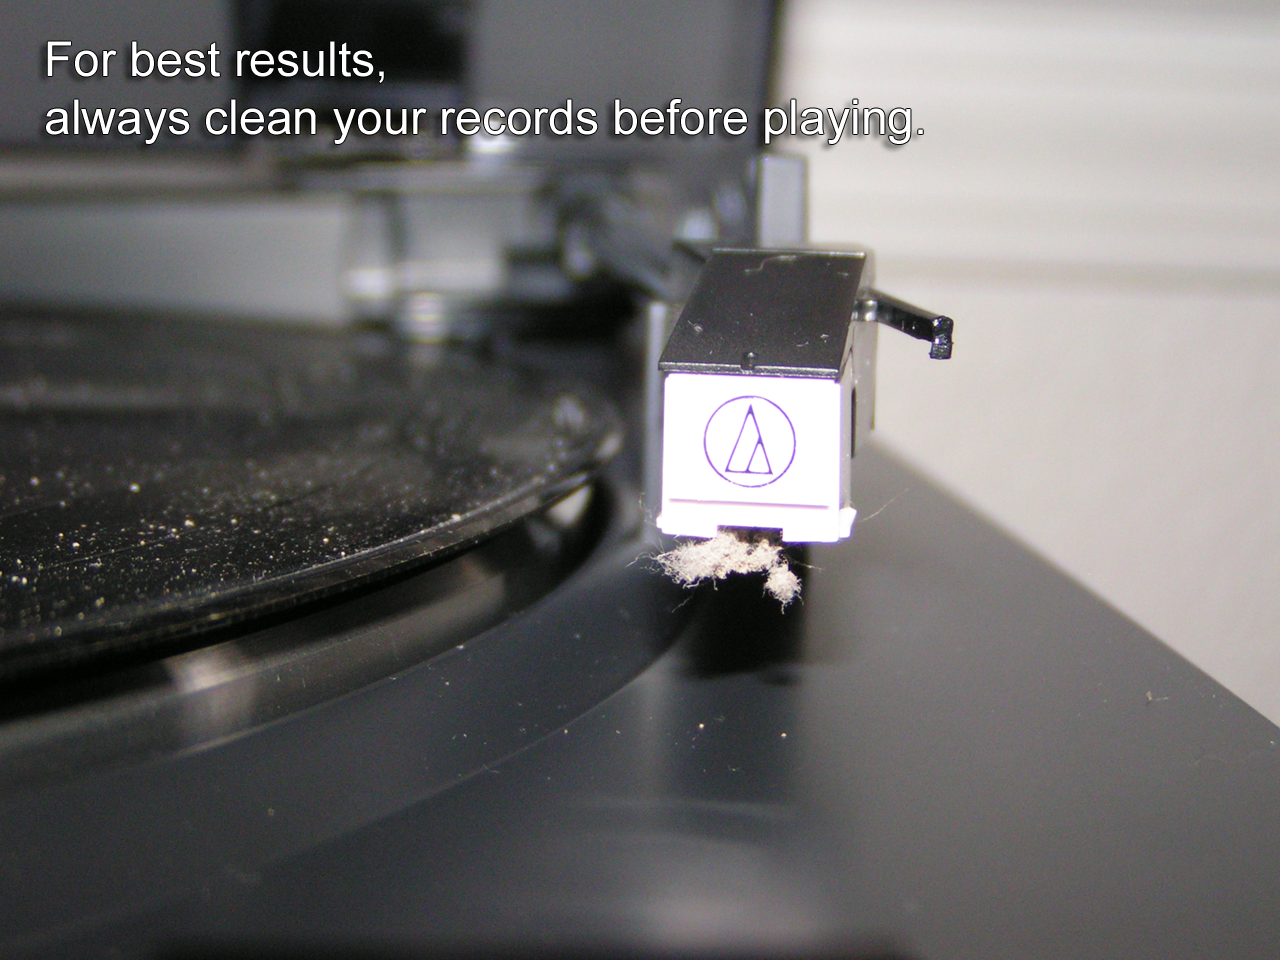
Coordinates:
(949, 750)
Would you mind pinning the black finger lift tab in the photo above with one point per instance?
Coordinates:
(913, 321)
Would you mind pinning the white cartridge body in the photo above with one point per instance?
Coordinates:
(757, 451)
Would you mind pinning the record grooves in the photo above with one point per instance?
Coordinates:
(161, 478)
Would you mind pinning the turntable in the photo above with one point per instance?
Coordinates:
(345, 639)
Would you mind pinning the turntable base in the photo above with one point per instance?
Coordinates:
(948, 750)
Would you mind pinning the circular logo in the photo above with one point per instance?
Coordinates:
(749, 441)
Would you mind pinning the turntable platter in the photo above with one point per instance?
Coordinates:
(162, 477)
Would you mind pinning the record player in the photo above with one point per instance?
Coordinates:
(330, 620)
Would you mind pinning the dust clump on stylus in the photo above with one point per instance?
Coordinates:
(733, 551)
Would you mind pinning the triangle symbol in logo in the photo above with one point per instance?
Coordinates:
(748, 454)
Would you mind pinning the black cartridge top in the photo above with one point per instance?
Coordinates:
(773, 312)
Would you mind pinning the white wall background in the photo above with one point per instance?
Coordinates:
(1096, 200)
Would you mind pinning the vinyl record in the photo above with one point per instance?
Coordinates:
(160, 477)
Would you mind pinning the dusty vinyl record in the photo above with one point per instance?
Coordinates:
(162, 477)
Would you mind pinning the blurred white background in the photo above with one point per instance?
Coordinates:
(1096, 200)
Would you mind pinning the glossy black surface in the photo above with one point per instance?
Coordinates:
(100, 842)
(921, 324)
(71, 727)
(781, 313)
(159, 477)
(948, 750)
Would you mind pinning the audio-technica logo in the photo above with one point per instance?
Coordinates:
(749, 441)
